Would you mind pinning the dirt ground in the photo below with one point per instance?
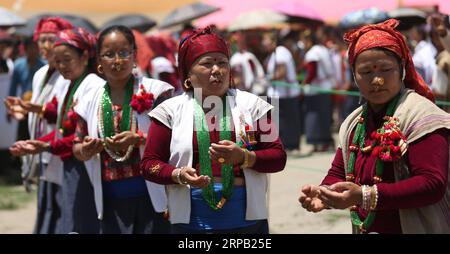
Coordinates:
(286, 216)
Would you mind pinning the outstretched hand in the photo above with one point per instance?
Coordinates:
(24, 147)
(189, 176)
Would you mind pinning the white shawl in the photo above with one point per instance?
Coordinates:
(56, 86)
(88, 110)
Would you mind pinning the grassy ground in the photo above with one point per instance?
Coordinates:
(14, 196)
(12, 193)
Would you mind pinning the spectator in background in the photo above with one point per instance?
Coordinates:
(22, 78)
(441, 75)
(245, 67)
(163, 62)
(284, 87)
(9, 129)
(318, 106)
(424, 53)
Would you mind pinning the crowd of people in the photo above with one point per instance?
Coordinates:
(132, 134)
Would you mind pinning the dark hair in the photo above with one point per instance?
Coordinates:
(116, 28)
(27, 41)
(311, 36)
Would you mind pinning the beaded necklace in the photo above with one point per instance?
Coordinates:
(204, 141)
(106, 118)
(69, 102)
(358, 144)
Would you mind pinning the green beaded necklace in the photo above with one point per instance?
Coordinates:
(358, 144)
(69, 101)
(204, 141)
(108, 124)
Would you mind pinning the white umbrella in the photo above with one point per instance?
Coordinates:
(7, 18)
(256, 19)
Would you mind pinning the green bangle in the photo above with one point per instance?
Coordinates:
(49, 148)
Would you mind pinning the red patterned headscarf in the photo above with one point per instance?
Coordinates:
(51, 25)
(197, 44)
(384, 35)
(78, 38)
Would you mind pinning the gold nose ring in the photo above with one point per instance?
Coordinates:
(379, 81)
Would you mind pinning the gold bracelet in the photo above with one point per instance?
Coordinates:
(41, 114)
(246, 159)
(179, 177)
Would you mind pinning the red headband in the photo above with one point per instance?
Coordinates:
(197, 44)
(384, 35)
(51, 25)
(78, 38)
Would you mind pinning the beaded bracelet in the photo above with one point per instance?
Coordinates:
(366, 193)
(374, 197)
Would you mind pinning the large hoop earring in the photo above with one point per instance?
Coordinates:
(100, 69)
(187, 84)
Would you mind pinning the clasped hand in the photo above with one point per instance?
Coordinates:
(227, 150)
(340, 195)
(122, 141)
(91, 146)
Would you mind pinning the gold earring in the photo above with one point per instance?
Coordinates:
(187, 84)
(100, 69)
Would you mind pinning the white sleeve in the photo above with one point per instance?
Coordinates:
(312, 55)
(282, 56)
(440, 82)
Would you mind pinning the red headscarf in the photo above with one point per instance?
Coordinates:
(51, 25)
(384, 35)
(197, 44)
(78, 38)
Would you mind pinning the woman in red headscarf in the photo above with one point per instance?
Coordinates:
(391, 168)
(47, 84)
(214, 160)
(74, 57)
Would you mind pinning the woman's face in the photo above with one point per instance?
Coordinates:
(117, 56)
(45, 44)
(211, 73)
(377, 74)
(69, 62)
